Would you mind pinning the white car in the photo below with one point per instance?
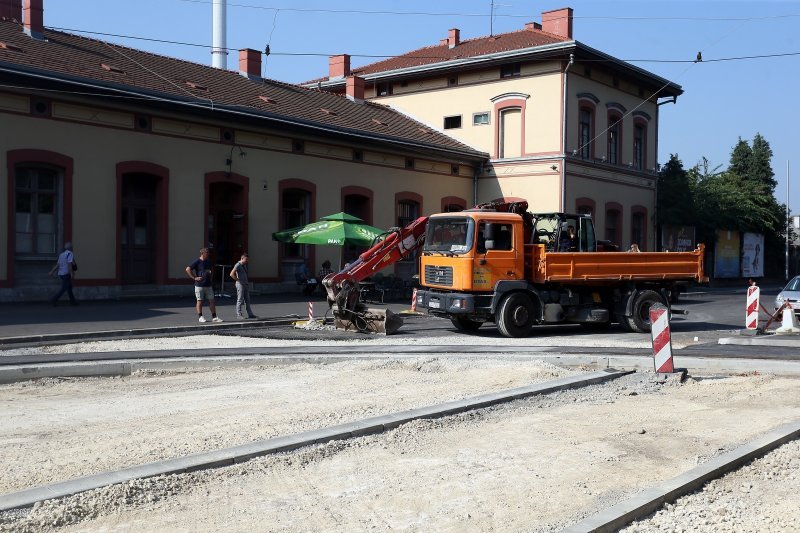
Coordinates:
(790, 292)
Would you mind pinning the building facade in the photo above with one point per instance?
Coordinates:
(567, 127)
(140, 160)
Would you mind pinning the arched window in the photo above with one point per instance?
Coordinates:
(639, 226)
(356, 201)
(511, 132)
(613, 223)
(639, 144)
(614, 135)
(453, 204)
(585, 131)
(38, 190)
(585, 206)
(295, 211)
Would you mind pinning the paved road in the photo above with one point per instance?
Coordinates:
(712, 314)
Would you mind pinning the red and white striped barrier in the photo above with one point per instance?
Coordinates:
(662, 340)
(414, 301)
(310, 311)
(751, 315)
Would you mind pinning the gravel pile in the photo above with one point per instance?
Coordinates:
(538, 464)
(761, 496)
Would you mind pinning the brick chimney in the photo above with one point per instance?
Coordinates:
(33, 18)
(355, 88)
(250, 63)
(531, 26)
(11, 9)
(339, 66)
(558, 21)
(454, 38)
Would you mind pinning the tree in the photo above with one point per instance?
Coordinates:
(760, 168)
(741, 158)
(675, 203)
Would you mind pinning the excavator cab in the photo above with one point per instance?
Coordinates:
(564, 232)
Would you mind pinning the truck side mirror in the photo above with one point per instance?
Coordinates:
(489, 231)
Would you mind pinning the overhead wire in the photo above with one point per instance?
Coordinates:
(393, 56)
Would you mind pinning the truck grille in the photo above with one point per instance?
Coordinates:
(439, 275)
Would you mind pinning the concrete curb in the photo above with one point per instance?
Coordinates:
(651, 500)
(239, 454)
(167, 330)
(786, 341)
(20, 368)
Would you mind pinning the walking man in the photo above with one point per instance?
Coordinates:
(239, 275)
(66, 267)
(201, 272)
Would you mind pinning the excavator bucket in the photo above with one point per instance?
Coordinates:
(368, 320)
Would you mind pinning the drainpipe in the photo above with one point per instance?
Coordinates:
(478, 171)
(564, 138)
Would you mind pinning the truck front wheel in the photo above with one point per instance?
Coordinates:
(515, 316)
(465, 324)
(639, 321)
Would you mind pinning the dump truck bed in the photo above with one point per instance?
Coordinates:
(593, 267)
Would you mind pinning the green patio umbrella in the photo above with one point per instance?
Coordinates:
(338, 229)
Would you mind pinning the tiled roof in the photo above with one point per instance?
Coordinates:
(480, 46)
(65, 56)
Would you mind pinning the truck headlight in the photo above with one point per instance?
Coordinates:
(458, 303)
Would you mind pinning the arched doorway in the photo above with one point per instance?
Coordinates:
(227, 222)
(139, 234)
(359, 204)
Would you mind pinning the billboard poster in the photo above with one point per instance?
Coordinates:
(726, 254)
(753, 255)
(677, 238)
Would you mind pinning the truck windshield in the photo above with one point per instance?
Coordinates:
(449, 235)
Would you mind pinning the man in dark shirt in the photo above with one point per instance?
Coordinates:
(202, 272)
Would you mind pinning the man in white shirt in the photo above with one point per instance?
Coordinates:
(65, 267)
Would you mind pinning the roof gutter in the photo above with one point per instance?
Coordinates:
(479, 60)
(208, 105)
(573, 47)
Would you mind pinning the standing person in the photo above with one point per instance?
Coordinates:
(65, 267)
(239, 275)
(202, 273)
(324, 271)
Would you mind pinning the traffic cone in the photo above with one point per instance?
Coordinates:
(789, 325)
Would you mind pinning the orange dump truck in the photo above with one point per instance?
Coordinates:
(518, 269)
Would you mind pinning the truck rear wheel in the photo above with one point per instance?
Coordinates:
(515, 315)
(465, 324)
(639, 321)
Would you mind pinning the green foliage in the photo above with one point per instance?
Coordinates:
(740, 198)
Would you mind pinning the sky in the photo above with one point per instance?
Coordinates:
(724, 98)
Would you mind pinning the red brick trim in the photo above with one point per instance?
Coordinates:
(361, 191)
(447, 200)
(499, 107)
(407, 195)
(586, 202)
(25, 155)
(162, 215)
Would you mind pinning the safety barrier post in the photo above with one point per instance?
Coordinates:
(662, 339)
(751, 313)
(310, 311)
(414, 301)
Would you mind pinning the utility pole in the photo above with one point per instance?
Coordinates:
(788, 220)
